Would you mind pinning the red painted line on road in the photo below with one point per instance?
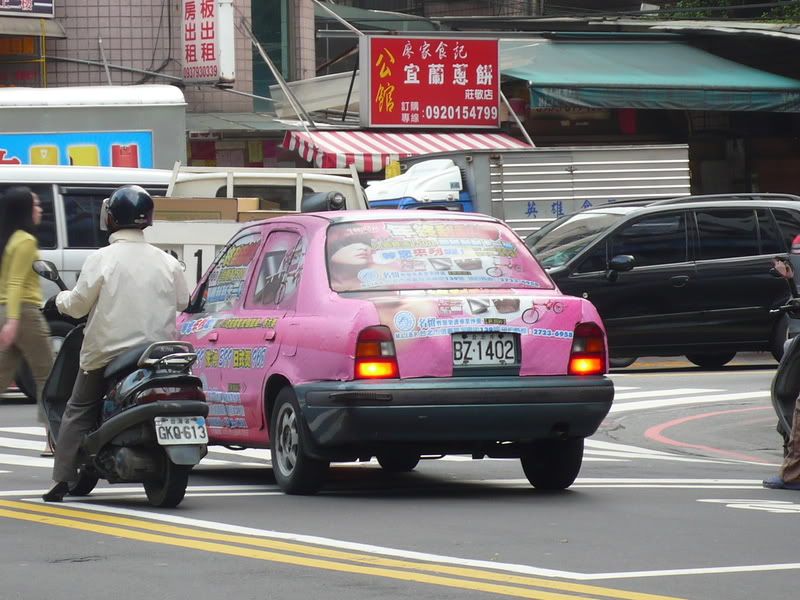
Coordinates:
(655, 433)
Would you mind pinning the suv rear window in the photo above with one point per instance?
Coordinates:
(436, 254)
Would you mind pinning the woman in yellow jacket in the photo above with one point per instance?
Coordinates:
(23, 330)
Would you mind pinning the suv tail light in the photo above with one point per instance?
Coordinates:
(796, 245)
(375, 354)
(588, 355)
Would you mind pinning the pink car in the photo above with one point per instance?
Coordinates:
(340, 336)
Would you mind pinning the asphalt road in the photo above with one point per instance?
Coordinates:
(668, 505)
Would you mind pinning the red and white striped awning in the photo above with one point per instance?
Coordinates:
(371, 151)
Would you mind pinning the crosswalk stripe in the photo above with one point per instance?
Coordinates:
(661, 393)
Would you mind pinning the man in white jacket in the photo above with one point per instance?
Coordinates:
(130, 291)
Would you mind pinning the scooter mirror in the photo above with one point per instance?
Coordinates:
(46, 269)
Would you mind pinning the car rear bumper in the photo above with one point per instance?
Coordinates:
(453, 411)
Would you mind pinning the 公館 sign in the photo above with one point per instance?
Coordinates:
(208, 42)
(429, 82)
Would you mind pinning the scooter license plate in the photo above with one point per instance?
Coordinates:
(172, 431)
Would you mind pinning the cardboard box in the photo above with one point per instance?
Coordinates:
(258, 215)
(246, 204)
(195, 209)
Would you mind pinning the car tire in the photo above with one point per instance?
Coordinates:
(621, 363)
(779, 336)
(711, 361)
(24, 377)
(398, 463)
(295, 472)
(553, 464)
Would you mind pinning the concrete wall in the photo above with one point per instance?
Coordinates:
(145, 34)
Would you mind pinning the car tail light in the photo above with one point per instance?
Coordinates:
(796, 245)
(157, 394)
(588, 355)
(375, 354)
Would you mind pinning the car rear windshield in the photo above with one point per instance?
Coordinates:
(430, 254)
(558, 242)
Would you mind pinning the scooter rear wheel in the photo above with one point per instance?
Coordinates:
(168, 491)
(87, 480)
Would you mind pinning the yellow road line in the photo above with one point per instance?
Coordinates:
(50, 515)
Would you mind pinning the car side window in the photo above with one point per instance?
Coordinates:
(46, 231)
(596, 260)
(789, 224)
(227, 280)
(279, 272)
(658, 239)
(768, 234)
(727, 233)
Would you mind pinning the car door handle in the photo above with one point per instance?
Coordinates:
(269, 334)
(213, 336)
(679, 280)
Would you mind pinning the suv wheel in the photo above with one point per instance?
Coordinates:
(711, 361)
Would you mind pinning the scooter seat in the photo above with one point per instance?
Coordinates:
(125, 363)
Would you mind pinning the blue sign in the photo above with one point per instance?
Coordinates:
(87, 149)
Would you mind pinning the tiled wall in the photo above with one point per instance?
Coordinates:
(137, 34)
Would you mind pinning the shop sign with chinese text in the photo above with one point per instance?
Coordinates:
(429, 82)
(27, 8)
(208, 41)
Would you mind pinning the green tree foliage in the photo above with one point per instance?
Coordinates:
(788, 11)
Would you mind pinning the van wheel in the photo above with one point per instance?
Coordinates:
(295, 471)
(398, 463)
(711, 361)
(24, 377)
(553, 464)
(779, 336)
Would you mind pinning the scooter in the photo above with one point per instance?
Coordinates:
(786, 382)
(152, 427)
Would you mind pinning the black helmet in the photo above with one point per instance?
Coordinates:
(130, 207)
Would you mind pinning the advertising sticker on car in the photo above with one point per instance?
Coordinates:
(171, 431)
(490, 348)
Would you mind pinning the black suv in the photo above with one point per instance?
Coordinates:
(679, 276)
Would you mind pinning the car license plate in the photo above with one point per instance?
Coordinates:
(484, 349)
(172, 431)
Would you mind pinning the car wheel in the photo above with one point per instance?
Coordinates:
(711, 361)
(398, 463)
(779, 336)
(621, 363)
(553, 464)
(295, 471)
(24, 377)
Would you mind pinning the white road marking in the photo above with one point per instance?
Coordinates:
(6, 442)
(661, 393)
(26, 461)
(24, 430)
(664, 401)
(771, 506)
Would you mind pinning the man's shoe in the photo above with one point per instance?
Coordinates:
(57, 492)
(776, 483)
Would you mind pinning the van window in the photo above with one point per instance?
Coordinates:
(46, 232)
(727, 233)
(271, 197)
(655, 240)
(82, 212)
